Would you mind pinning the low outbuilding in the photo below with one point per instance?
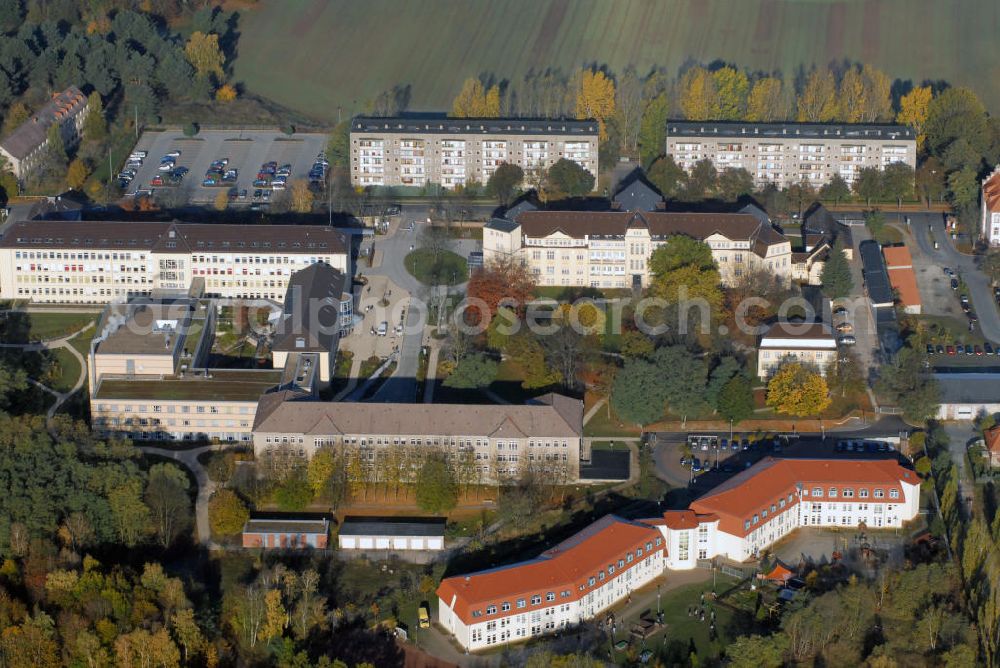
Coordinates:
(395, 533)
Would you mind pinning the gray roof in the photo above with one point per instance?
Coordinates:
(734, 129)
(756, 212)
(819, 226)
(310, 319)
(175, 237)
(441, 124)
(145, 328)
(548, 416)
(287, 525)
(875, 276)
(502, 224)
(32, 133)
(397, 526)
(969, 388)
(524, 204)
(638, 196)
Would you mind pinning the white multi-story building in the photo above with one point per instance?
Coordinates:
(454, 152)
(787, 153)
(990, 218)
(564, 586)
(101, 262)
(811, 344)
(603, 564)
(611, 249)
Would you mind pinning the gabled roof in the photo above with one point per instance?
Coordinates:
(991, 191)
(310, 319)
(897, 257)
(561, 418)
(770, 480)
(524, 203)
(991, 437)
(567, 567)
(32, 133)
(637, 194)
(502, 225)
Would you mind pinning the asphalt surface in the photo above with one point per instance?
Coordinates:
(246, 151)
(980, 291)
(402, 385)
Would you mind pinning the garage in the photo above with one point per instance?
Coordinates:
(967, 392)
(398, 534)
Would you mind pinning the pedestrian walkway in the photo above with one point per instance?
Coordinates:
(431, 376)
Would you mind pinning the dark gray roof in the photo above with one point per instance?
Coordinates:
(175, 237)
(969, 388)
(288, 525)
(428, 124)
(524, 204)
(733, 129)
(875, 275)
(757, 213)
(819, 226)
(396, 526)
(502, 224)
(638, 196)
(310, 318)
(29, 135)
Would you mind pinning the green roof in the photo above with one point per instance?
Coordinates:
(231, 386)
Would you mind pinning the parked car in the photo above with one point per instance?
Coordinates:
(840, 310)
(951, 350)
(960, 349)
(156, 181)
(165, 167)
(930, 348)
(969, 350)
(382, 329)
(242, 194)
(845, 328)
(174, 154)
(988, 348)
(278, 185)
(423, 617)
(978, 350)
(209, 182)
(954, 284)
(939, 349)
(847, 340)
(971, 315)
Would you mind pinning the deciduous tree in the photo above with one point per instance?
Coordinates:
(204, 54)
(699, 98)
(818, 101)
(732, 87)
(869, 184)
(470, 101)
(301, 196)
(735, 401)
(473, 371)
(653, 129)
(95, 127)
(734, 182)
(797, 390)
(504, 182)
(436, 488)
(596, 99)
(566, 178)
(836, 189)
(168, 501)
(501, 281)
(766, 103)
(76, 174)
(905, 382)
(227, 513)
(225, 93)
(913, 110)
(702, 181)
(897, 182)
(667, 176)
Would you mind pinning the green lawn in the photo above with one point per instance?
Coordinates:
(18, 327)
(69, 371)
(441, 268)
(602, 425)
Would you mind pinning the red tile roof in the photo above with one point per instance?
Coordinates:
(992, 439)
(897, 256)
(755, 490)
(991, 191)
(565, 568)
(904, 282)
(682, 519)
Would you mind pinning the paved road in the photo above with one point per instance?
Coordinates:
(980, 291)
(402, 385)
(206, 487)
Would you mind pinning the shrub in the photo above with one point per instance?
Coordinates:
(191, 129)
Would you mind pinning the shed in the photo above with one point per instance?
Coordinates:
(286, 533)
(392, 533)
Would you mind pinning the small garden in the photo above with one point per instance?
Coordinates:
(436, 267)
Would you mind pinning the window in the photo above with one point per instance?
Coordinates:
(848, 493)
(477, 613)
(817, 491)
(863, 493)
(591, 582)
(756, 519)
(833, 493)
(491, 610)
(551, 596)
(621, 563)
(879, 494)
(611, 569)
(746, 525)
(536, 599)
(600, 576)
(893, 493)
(505, 606)
(520, 603)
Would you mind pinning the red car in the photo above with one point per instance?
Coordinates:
(950, 350)
(979, 350)
(156, 181)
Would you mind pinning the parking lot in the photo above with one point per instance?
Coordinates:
(246, 151)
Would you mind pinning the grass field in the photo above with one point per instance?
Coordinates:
(343, 53)
(443, 268)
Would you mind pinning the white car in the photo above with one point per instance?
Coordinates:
(174, 154)
(847, 340)
(278, 185)
(165, 167)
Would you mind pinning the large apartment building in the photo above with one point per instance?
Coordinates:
(611, 249)
(453, 152)
(603, 564)
(100, 262)
(496, 441)
(787, 153)
(26, 145)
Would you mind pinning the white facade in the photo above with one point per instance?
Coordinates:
(812, 345)
(990, 209)
(98, 262)
(456, 152)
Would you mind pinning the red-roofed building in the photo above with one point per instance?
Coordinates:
(563, 586)
(990, 223)
(605, 562)
(991, 438)
(899, 263)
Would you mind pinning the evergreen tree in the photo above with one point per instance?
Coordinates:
(836, 277)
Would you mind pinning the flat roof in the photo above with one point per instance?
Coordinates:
(734, 129)
(309, 526)
(392, 526)
(442, 124)
(875, 276)
(242, 385)
(144, 329)
(969, 388)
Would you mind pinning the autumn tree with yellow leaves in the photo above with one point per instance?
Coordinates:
(596, 98)
(699, 98)
(913, 109)
(818, 101)
(474, 101)
(798, 390)
(766, 102)
(203, 53)
(731, 87)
